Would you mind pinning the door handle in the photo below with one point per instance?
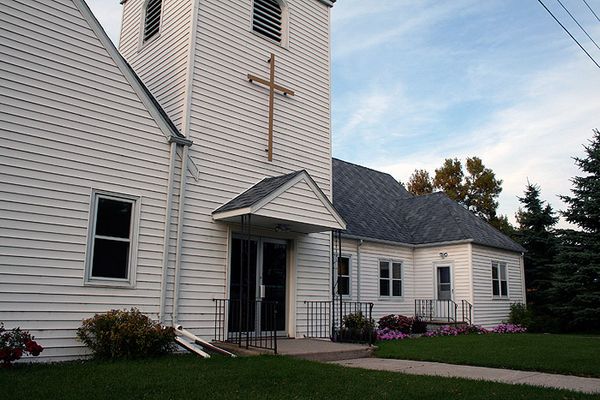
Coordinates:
(261, 290)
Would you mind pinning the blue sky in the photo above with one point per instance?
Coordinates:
(415, 82)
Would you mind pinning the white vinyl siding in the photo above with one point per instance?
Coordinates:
(69, 122)
(489, 310)
(228, 122)
(161, 63)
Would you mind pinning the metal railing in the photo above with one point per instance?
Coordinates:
(434, 310)
(325, 319)
(246, 323)
(466, 312)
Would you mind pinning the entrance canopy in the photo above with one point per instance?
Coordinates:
(291, 202)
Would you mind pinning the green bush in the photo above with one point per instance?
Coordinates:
(520, 315)
(125, 334)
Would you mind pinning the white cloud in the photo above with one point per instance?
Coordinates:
(533, 138)
(108, 12)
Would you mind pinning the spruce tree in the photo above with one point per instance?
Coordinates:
(576, 286)
(536, 220)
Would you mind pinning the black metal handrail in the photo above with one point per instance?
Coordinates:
(436, 310)
(324, 318)
(246, 323)
(466, 312)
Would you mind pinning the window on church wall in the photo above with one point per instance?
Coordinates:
(152, 14)
(269, 20)
(390, 279)
(499, 279)
(343, 276)
(111, 241)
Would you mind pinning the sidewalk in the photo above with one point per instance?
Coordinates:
(576, 383)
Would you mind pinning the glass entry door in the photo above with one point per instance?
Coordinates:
(265, 280)
(444, 283)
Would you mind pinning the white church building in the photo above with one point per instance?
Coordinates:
(190, 171)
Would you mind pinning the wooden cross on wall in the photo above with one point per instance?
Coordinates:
(272, 88)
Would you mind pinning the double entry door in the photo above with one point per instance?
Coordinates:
(257, 280)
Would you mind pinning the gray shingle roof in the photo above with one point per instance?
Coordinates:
(257, 192)
(376, 206)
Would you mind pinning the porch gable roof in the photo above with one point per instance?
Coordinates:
(292, 199)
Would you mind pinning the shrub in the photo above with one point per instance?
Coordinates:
(356, 328)
(14, 343)
(125, 334)
(520, 315)
(401, 323)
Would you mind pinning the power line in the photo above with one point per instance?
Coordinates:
(578, 24)
(588, 6)
(569, 33)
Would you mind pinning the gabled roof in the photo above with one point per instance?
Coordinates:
(257, 192)
(376, 206)
(293, 199)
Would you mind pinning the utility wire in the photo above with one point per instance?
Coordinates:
(569, 33)
(578, 24)
(588, 6)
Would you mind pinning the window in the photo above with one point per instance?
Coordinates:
(499, 279)
(267, 19)
(110, 246)
(343, 273)
(390, 279)
(152, 18)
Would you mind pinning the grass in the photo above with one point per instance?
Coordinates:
(265, 377)
(563, 354)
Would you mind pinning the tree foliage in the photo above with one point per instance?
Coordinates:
(475, 186)
(420, 183)
(576, 284)
(535, 232)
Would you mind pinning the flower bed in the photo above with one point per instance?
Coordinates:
(386, 333)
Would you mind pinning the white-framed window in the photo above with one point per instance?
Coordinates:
(499, 279)
(390, 278)
(152, 16)
(343, 276)
(111, 252)
(270, 20)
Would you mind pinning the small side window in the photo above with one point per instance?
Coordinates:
(111, 239)
(343, 285)
(499, 279)
(152, 14)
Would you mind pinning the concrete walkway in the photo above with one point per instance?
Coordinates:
(576, 383)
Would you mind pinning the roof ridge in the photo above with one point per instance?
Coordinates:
(454, 217)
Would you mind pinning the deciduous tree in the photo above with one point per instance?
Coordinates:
(420, 183)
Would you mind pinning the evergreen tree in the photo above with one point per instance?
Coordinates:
(535, 233)
(576, 286)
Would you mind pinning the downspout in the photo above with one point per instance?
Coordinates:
(182, 187)
(167, 235)
(358, 244)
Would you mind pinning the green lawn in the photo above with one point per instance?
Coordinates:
(266, 377)
(565, 354)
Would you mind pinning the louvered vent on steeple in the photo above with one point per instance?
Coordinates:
(152, 18)
(267, 19)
